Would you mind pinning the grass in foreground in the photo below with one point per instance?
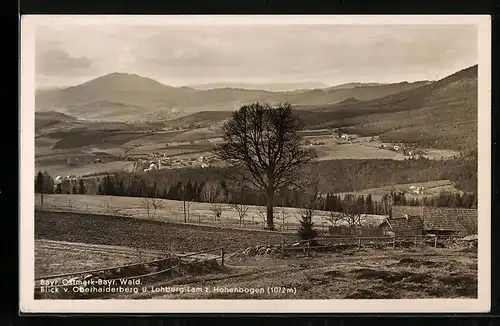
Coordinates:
(369, 274)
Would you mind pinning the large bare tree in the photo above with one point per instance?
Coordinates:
(263, 143)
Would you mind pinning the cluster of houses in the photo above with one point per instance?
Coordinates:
(410, 154)
(201, 161)
(66, 183)
(425, 220)
(346, 137)
(73, 161)
(354, 137)
(416, 190)
(314, 142)
(155, 163)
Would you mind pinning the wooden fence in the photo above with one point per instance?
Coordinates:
(359, 242)
(176, 261)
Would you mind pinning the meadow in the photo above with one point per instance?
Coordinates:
(286, 218)
(415, 272)
(431, 189)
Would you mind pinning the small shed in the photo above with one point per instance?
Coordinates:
(402, 226)
(441, 220)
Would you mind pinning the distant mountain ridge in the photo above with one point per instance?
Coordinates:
(353, 85)
(124, 96)
(268, 87)
(440, 114)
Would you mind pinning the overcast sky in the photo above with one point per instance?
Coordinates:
(183, 55)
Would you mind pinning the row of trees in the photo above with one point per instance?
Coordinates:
(135, 185)
(44, 184)
(349, 175)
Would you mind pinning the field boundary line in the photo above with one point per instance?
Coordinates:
(163, 221)
(54, 244)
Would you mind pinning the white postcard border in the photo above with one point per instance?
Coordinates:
(26, 222)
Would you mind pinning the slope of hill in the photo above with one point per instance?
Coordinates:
(127, 89)
(51, 119)
(199, 119)
(440, 114)
(43, 90)
(353, 85)
(121, 96)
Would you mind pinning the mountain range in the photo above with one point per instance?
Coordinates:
(124, 97)
(269, 87)
(438, 114)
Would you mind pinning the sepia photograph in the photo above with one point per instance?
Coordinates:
(255, 164)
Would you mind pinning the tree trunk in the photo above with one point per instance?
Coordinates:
(41, 198)
(270, 206)
(185, 216)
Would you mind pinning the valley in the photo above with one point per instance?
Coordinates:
(437, 119)
(111, 141)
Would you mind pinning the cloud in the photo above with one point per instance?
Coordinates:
(321, 53)
(58, 62)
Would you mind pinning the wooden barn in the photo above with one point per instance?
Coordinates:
(440, 220)
(402, 226)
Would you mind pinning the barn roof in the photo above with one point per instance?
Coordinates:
(438, 218)
(404, 226)
(445, 218)
(401, 211)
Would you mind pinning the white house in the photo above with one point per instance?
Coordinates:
(345, 136)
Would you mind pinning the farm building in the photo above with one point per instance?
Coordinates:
(416, 190)
(440, 220)
(402, 226)
(345, 137)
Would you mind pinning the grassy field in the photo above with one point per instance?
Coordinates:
(371, 274)
(421, 272)
(172, 211)
(332, 151)
(147, 234)
(431, 189)
(136, 140)
(363, 148)
(59, 257)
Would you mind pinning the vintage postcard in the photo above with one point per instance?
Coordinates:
(237, 164)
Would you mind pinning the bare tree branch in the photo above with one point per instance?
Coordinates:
(263, 142)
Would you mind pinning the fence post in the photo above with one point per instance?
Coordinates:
(359, 243)
(435, 241)
(394, 242)
(415, 241)
(222, 256)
